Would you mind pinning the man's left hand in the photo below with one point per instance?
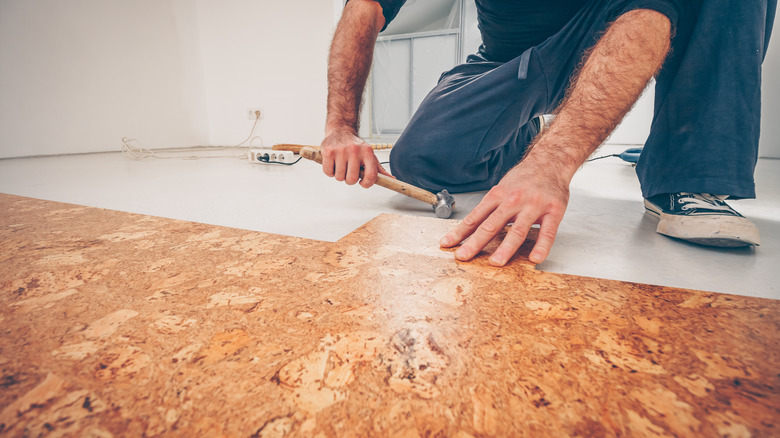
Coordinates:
(531, 193)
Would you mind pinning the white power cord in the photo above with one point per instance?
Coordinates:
(132, 149)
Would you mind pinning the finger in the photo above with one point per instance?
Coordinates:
(369, 174)
(383, 171)
(470, 223)
(512, 242)
(486, 231)
(327, 165)
(340, 168)
(353, 170)
(547, 233)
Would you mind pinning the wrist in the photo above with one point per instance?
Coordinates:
(552, 160)
(340, 129)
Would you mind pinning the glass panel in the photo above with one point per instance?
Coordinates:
(471, 36)
(431, 56)
(391, 91)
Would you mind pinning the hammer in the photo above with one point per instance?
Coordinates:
(442, 202)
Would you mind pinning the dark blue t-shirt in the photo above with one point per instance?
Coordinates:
(509, 27)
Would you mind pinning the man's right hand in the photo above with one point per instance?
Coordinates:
(344, 155)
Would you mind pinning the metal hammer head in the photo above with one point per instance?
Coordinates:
(444, 204)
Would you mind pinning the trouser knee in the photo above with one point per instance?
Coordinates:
(418, 166)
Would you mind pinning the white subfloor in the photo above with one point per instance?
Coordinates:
(605, 232)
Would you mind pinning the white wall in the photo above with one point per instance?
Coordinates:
(78, 75)
(270, 54)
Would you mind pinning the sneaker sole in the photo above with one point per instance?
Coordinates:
(728, 232)
(652, 210)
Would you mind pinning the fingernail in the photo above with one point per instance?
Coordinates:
(535, 258)
(460, 254)
(445, 241)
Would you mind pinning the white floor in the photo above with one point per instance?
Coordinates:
(604, 234)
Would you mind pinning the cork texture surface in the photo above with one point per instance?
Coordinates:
(118, 324)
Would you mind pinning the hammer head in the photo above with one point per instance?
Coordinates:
(444, 204)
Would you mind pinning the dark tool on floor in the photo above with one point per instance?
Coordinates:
(630, 155)
(442, 202)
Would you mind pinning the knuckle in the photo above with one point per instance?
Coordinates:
(456, 236)
(495, 193)
(541, 245)
(491, 225)
(368, 181)
(470, 221)
(515, 198)
(469, 248)
(354, 150)
(541, 250)
(518, 231)
(547, 234)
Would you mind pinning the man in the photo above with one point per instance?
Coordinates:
(587, 61)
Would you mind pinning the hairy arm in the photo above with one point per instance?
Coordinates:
(536, 191)
(344, 154)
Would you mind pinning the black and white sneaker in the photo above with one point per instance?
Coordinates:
(701, 218)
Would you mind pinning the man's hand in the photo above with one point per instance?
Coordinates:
(344, 155)
(528, 194)
(537, 190)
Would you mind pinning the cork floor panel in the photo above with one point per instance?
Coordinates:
(119, 324)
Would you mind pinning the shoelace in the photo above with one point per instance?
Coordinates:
(703, 200)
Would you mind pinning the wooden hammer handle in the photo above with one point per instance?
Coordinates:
(296, 148)
(382, 180)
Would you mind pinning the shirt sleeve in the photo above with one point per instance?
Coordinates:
(390, 9)
(675, 10)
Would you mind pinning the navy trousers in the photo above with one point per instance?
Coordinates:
(476, 123)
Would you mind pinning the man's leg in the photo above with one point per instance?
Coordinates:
(473, 127)
(703, 143)
(704, 137)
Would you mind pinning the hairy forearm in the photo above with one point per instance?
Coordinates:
(611, 79)
(349, 63)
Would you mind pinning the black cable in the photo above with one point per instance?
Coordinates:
(267, 161)
(599, 158)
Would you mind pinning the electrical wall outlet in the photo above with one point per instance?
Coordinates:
(270, 156)
(251, 113)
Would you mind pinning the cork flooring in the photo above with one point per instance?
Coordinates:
(119, 324)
